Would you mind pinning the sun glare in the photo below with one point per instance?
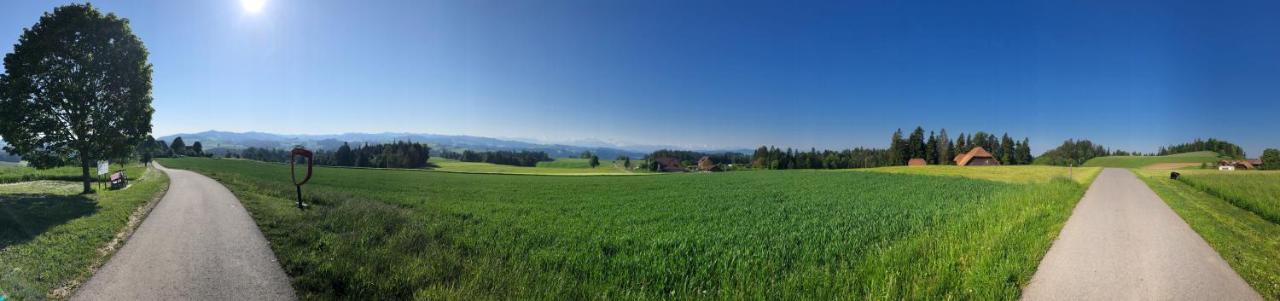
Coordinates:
(253, 6)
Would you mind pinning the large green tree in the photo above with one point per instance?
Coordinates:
(77, 87)
(1271, 159)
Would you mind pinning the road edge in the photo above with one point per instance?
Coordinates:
(121, 237)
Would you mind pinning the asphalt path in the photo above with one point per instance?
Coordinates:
(198, 243)
(1124, 243)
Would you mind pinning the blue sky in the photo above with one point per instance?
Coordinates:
(1131, 75)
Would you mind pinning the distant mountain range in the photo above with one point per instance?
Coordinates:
(216, 141)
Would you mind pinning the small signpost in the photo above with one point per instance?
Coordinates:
(103, 168)
(298, 151)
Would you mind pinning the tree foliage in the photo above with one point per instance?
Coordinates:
(1221, 147)
(77, 87)
(1073, 153)
(1271, 159)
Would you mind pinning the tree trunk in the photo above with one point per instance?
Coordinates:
(84, 173)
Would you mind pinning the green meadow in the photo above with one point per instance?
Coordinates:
(51, 236)
(16, 173)
(401, 234)
(1193, 158)
(1245, 238)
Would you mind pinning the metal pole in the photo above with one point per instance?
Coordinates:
(299, 196)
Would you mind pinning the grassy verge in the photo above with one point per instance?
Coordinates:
(1248, 242)
(1257, 192)
(386, 234)
(51, 238)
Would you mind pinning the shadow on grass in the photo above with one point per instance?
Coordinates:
(25, 216)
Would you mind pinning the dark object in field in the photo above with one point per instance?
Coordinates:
(1174, 175)
(119, 180)
(299, 151)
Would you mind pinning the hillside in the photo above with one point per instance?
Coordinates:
(1188, 159)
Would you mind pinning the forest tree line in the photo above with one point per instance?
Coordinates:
(514, 158)
(938, 148)
(398, 154)
(1221, 147)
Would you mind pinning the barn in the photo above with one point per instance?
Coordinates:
(669, 165)
(976, 157)
(917, 162)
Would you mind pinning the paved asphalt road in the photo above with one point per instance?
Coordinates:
(199, 243)
(1124, 243)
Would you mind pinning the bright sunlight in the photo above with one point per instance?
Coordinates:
(253, 6)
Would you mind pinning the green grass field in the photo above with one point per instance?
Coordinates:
(51, 236)
(1250, 243)
(561, 166)
(1145, 161)
(14, 173)
(1255, 191)
(392, 234)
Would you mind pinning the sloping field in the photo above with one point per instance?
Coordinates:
(1144, 161)
(387, 234)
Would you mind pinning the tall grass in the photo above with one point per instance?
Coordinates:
(1249, 243)
(381, 234)
(1257, 192)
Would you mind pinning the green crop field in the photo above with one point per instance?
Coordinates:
(1247, 241)
(1145, 161)
(558, 167)
(402, 234)
(1257, 192)
(51, 236)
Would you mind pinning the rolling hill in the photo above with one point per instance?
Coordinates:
(1189, 159)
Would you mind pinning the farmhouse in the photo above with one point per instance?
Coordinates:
(1236, 164)
(976, 157)
(668, 164)
(706, 165)
(917, 162)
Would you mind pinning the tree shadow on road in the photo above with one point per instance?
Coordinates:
(23, 217)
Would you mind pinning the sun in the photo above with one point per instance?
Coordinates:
(253, 6)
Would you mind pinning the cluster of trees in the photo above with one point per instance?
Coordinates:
(593, 160)
(775, 158)
(1215, 145)
(1271, 159)
(390, 155)
(520, 158)
(690, 158)
(938, 148)
(1076, 152)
